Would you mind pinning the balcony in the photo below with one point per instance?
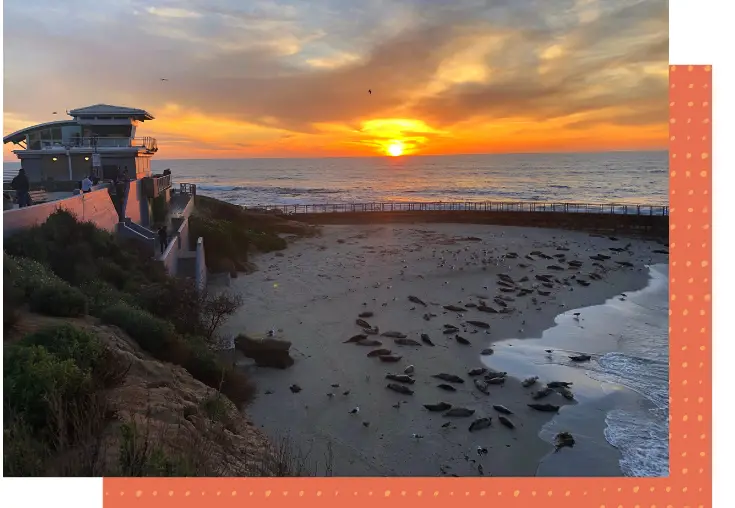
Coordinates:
(147, 143)
(154, 186)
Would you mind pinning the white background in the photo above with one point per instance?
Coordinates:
(700, 32)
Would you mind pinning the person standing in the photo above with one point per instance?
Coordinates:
(163, 237)
(87, 184)
(22, 188)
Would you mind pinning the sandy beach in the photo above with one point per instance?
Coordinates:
(312, 293)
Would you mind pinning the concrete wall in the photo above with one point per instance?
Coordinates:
(95, 206)
(201, 266)
(176, 245)
(136, 206)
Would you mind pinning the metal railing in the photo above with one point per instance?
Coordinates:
(148, 143)
(469, 206)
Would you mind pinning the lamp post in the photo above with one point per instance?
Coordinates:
(68, 161)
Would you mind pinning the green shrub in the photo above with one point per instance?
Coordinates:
(28, 274)
(101, 295)
(33, 378)
(67, 342)
(58, 299)
(151, 333)
(13, 298)
(266, 242)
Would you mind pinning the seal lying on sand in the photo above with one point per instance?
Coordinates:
(407, 342)
(446, 387)
(502, 409)
(480, 423)
(369, 343)
(401, 378)
(505, 421)
(426, 340)
(356, 338)
(449, 377)
(462, 340)
(482, 386)
(529, 381)
(549, 408)
(417, 300)
(580, 358)
(379, 352)
(544, 392)
(441, 406)
(477, 372)
(479, 324)
(390, 358)
(394, 335)
(460, 412)
(454, 308)
(399, 388)
(362, 323)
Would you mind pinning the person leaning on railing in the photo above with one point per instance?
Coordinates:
(22, 188)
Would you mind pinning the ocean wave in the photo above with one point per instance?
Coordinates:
(642, 442)
(648, 377)
(264, 189)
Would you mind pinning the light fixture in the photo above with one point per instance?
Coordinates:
(86, 158)
(54, 159)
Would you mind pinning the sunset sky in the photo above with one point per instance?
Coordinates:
(290, 78)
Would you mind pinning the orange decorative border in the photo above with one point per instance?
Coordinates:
(689, 483)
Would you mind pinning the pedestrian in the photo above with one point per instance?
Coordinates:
(22, 188)
(125, 175)
(87, 184)
(163, 237)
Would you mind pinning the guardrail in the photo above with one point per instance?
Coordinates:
(470, 206)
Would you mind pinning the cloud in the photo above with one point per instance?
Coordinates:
(293, 66)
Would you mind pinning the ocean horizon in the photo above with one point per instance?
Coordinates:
(630, 177)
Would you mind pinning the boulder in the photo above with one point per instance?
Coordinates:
(265, 352)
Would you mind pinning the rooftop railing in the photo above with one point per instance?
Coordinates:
(470, 206)
(149, 143)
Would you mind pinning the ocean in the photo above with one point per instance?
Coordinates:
(622, 393)
(639, 178)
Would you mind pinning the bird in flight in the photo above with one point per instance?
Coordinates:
(370, 92)
(54, 113)
(164, 79)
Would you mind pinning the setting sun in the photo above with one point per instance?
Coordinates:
(395, 149)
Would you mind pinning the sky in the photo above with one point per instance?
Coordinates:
(290, 78)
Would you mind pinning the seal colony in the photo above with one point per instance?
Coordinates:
(400, 317)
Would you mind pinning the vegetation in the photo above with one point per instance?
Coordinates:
(230, 233)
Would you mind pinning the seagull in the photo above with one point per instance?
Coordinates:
(54, 113)
(370, 92)
(164, 79)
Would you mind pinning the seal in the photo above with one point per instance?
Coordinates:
(362, 323)
(548, 408)
(565, 392)
(399, 388)
(417, 300)
(479, 324)
(557, 384)
(390, 358)
(477, 372)
(379, 352)
(454, 308)
(580, 358)
(502, 409)
(401, 378)
(446, 387)
(529, 381)
(366, 314)
(406, 342)
(485, 308)
(451, 378)
(505, 421)
(479, 424)
(440, 406)
(486, 352)
(394, 335)
(544, 392)
(563, 439)
(369, 343)
(495, 380)
(462, 340)
(460, 412)
(356, 338)
(482, 386)
(426, 340)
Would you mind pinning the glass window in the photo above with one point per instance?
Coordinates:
(56, 133)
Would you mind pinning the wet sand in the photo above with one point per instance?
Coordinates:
(312, 293)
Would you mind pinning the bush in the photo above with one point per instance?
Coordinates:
(12, 302)
(101, 295)
(151, 333)
(33, 377)
(58, 299)
(28, 274)
(67, 342)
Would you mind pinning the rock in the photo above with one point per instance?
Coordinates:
(479, 424)
(271, 353)
(563, 439)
